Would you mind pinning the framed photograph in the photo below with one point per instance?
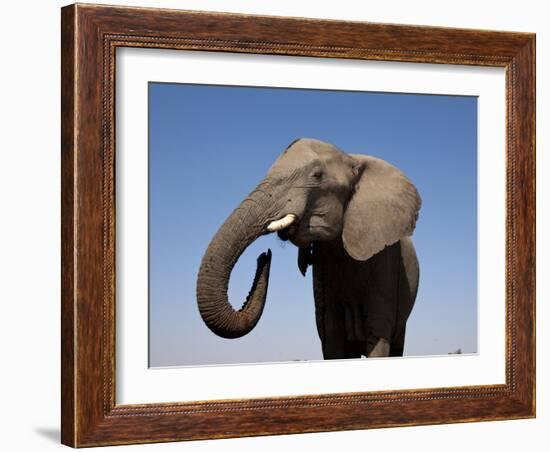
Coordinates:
(281, 225)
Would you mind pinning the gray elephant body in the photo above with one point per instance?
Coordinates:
(359, 302)
(351, 216)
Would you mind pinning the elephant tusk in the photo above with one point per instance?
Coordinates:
(284, 222)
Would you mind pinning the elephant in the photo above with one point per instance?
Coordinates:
(351, 217)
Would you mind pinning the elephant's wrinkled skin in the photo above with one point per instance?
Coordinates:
(351, 217)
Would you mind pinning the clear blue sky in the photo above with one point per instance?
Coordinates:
(208, 148)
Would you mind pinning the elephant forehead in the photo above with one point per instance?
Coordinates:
(299, 155)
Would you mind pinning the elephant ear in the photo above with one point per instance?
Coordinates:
(383, 209)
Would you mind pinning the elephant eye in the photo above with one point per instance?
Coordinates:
(317, 174)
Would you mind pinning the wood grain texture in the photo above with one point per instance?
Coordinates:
(90, 36)
(68, 311)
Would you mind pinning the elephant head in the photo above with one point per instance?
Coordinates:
(313, 192)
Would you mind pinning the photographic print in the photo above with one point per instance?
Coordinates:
(304, 224)
(335, 219)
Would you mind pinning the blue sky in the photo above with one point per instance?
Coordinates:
(209, 146)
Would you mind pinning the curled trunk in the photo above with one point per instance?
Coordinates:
(241, 228)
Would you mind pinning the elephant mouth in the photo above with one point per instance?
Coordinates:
(285, 227)
(303, 233)
(288, 232)
(296, 235)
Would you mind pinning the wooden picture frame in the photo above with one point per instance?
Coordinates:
(90, 36)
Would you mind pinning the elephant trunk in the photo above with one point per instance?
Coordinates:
(240, 229)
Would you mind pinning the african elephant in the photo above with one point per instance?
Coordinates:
(350, 217)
